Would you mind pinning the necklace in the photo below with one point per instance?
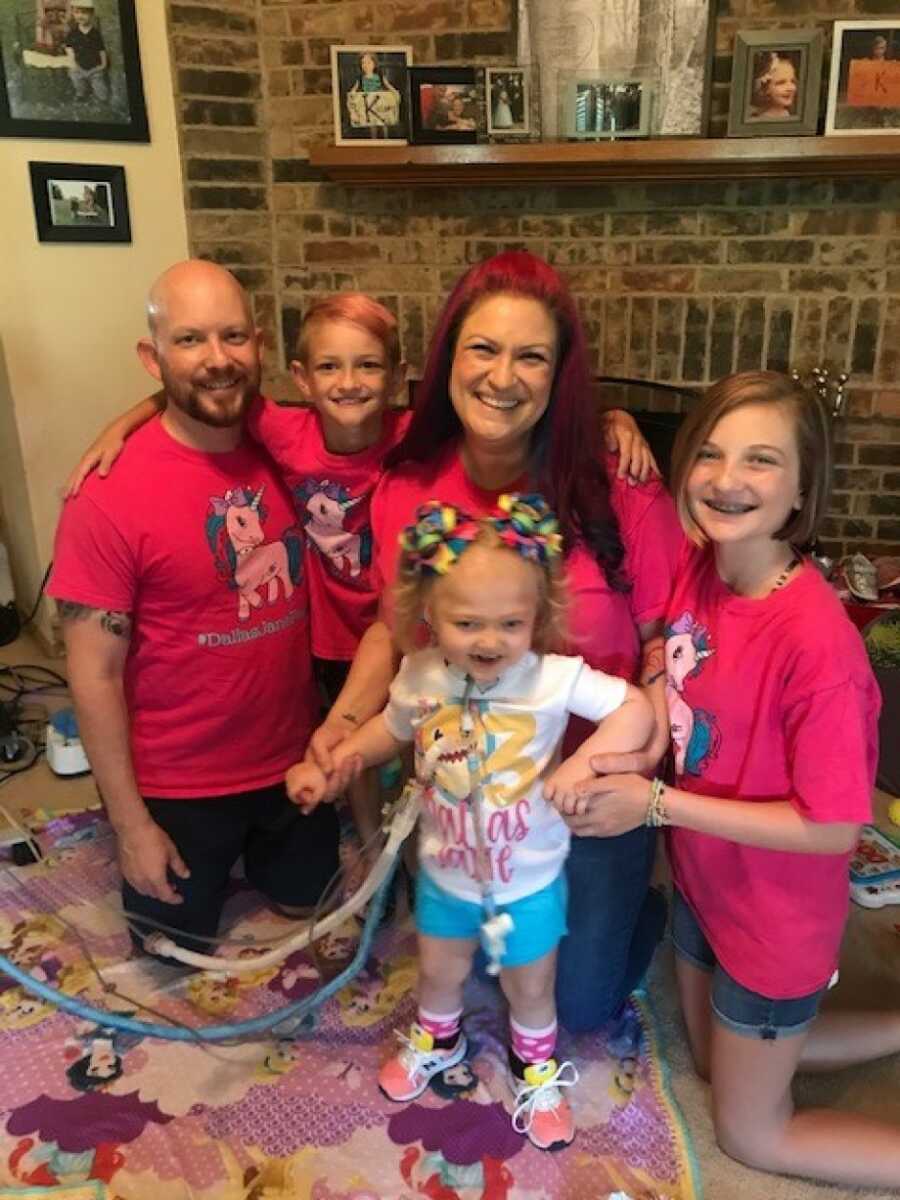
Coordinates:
(783, 577)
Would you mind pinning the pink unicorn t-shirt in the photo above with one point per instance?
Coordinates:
(205, 552)
(332, 494)
(769, 700)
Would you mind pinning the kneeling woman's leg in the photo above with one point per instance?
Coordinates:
(757, 1044)
(615, 923)
(756, 1121)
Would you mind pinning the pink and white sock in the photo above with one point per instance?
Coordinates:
(443, 1027)
(532, 1045)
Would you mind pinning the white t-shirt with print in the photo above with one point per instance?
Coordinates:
(508, 744)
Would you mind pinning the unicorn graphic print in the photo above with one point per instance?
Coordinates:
(257, 569)
(695, 732)
(324, 506)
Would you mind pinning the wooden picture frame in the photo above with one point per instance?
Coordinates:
(71, 79)
(80, 202)
(776, 82)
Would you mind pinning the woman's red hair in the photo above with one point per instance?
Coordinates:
(565, 453)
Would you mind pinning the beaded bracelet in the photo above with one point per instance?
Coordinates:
(656, 809)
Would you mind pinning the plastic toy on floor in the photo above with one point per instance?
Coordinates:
(875, 870)
(875, 895)
(876, 858)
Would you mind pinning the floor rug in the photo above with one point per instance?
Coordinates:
(89, 1112)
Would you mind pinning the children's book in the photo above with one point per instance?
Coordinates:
(876, 858)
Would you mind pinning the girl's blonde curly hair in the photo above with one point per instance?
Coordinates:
(414, 587)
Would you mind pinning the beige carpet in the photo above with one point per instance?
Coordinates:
(870, 979)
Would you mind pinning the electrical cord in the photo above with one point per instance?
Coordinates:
(22, 721)
(27, 620)
(17, 682)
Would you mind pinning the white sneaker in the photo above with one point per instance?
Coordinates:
(542, 1113)
(406, 1075)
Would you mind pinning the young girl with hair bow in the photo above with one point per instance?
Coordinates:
(486, 706)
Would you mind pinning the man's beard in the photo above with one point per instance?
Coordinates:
(220, 412)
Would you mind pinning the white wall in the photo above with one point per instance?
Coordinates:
(70, 314)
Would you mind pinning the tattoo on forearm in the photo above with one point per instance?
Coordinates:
(116, 623)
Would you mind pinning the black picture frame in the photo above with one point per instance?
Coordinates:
(64, 212)
(40, 95)
(450, 88)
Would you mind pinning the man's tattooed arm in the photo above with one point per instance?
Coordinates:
(116, 623)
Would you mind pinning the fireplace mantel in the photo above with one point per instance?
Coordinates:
(663, 160)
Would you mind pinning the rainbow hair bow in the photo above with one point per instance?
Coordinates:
(529, 527)
(442, 532)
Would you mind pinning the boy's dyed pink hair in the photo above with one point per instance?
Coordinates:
(566, 444)
(358, 309)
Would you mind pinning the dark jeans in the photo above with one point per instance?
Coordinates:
(288, 857)
(615, 923)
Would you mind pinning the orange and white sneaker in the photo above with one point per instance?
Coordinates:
(406, 1075)
(542, 1113)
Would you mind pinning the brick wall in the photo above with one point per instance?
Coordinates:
(680, 283)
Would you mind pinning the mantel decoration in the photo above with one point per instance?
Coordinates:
(71, 71)
(512, 101)
(665, 40)
(775, 82)
(864, 93)
(604, 105)
(369, 89)
(444, 106)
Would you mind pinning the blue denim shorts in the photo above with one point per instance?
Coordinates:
(539, 920)
(740, 1010)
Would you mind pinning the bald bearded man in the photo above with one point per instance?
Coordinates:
(181, 587)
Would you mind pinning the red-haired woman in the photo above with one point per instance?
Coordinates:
(505, 405)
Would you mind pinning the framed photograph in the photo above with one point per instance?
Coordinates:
(444, 105)
(864, 92)
(71, 69)
(509, 102)
(80, 202)
(369, 89)
(775, 82)
(598, 105)
(672, 42)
